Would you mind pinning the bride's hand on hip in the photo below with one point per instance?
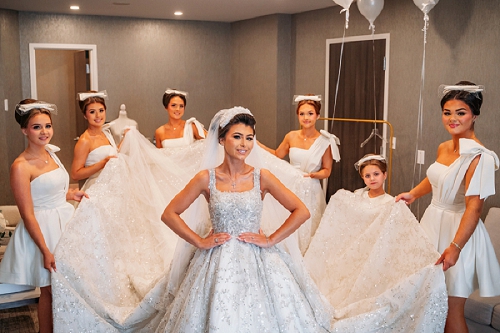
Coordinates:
(259, 239)
(212, 240)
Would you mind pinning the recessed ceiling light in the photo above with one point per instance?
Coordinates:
(74, 7)
(178, 13)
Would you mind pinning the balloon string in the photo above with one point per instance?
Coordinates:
(346, 10)
(338, 79)
(374, 90)
(420, 116)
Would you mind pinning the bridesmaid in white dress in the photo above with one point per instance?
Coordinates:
(462, 177)
(96, 145)
(177, 132)
(40, 186)
(312, 152)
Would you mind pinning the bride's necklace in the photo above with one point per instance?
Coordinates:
(233, 183)
(46, 161)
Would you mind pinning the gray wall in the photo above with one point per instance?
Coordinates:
(261, 63)
(463, 42)
(139, 58)
(11, 138)
(260, 73)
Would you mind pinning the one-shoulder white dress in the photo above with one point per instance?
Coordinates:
(23, 262)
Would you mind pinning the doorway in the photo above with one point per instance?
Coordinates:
(57, 73)
(362, 94)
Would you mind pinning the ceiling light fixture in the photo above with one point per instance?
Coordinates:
(178, 13)
(74, 7)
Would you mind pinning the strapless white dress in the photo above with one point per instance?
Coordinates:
(187, 136)
(99, 154)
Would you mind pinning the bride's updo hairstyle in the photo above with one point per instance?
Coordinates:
(93, 99)
(23, 117)
(240, 118)
(371, 159)
(471, 95)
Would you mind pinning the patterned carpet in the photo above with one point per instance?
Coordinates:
(19, 320)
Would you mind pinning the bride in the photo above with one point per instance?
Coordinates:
(120, 267)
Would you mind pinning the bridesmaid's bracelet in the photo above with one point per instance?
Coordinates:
(457, 246)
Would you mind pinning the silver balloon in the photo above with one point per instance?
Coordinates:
(425, 5)
(370, 9)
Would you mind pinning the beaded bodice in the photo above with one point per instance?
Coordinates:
(235, 212)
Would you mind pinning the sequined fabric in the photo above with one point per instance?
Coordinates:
(375, 265)
(240, 287)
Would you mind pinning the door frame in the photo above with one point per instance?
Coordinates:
(92, 48)
(387, 38)
(340, 40)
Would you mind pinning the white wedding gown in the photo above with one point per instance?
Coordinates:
(373, 262)
(114, 270)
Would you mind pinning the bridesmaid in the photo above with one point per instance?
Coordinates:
(96, 145)
(40, 185)
(312, 152)
(177, 132)
(462, 177)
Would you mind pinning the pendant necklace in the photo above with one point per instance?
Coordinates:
(46, 161)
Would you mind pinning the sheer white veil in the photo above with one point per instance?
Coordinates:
(197, 215)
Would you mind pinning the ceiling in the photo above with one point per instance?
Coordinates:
(199, 10)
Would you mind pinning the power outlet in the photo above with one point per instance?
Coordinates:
(420, 156)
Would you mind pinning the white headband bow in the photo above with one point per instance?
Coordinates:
(24, 108)
(83, 96)
(176, 92)
(368, 158)
(444, 89)
(298, 98)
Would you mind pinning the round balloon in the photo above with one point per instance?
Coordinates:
(425, 5)
(370, 9)
(344, 3)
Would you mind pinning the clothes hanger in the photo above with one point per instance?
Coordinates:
(375, 134)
